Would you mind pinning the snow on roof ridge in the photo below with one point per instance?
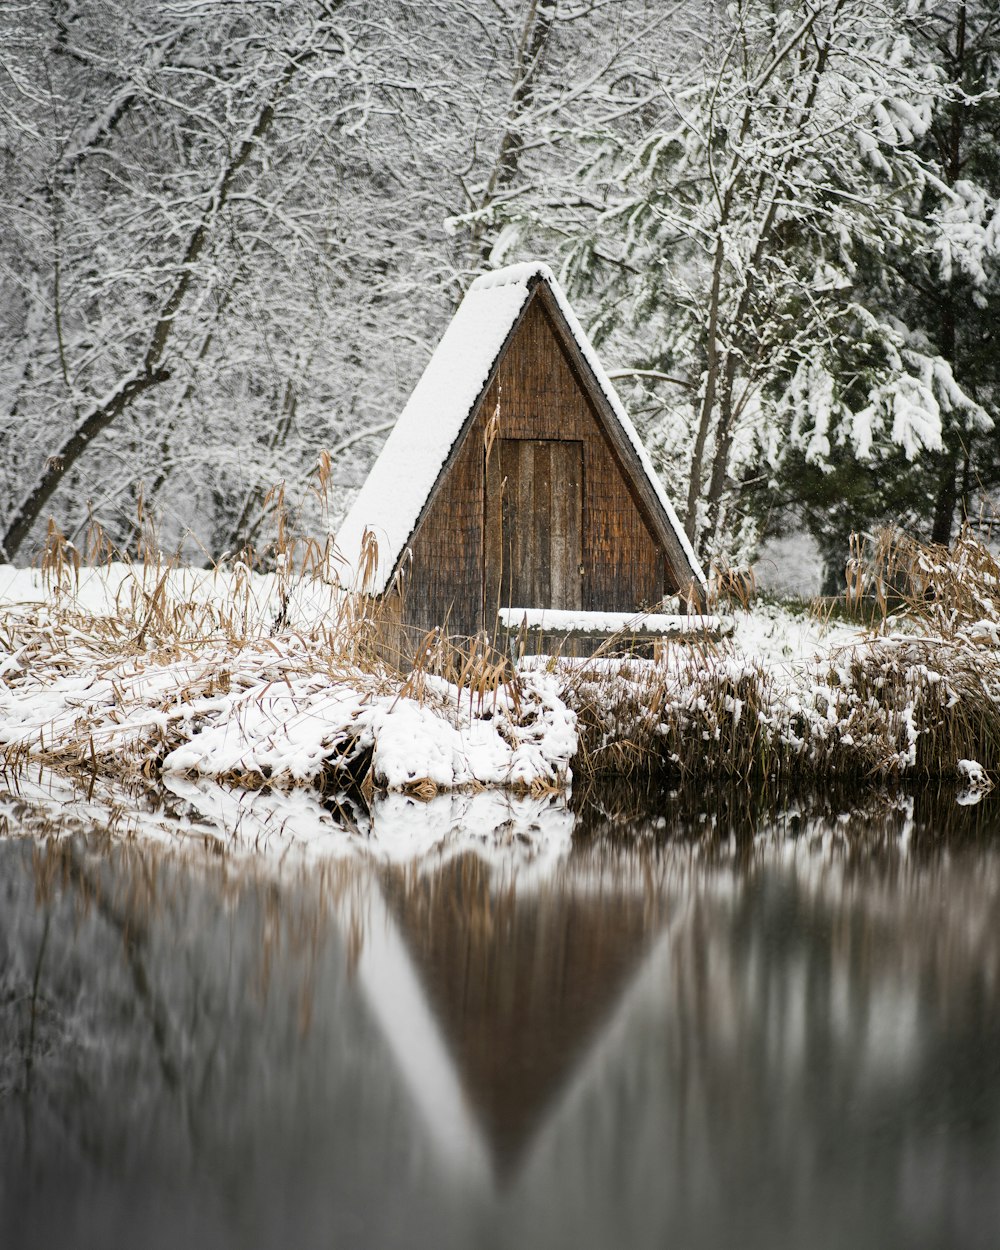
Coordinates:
(520, 274)
(392, 497)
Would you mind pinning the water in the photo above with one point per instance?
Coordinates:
(665, 1027)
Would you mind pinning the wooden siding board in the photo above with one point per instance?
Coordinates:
(444, 585)
(493, 531)
(539, 520)
(567, 552)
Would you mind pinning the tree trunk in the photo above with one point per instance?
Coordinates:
(946, 500)
(530, 54)
(720, 461)
(718, 356)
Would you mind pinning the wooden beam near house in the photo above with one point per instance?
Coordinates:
(614, 633)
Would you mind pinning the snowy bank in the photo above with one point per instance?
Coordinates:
(187, 672)
(262, 715)
(274, 680)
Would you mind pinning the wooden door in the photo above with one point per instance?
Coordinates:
(533, 524)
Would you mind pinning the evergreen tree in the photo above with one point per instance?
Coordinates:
(753, 252)
(950, 288)
(938, 285)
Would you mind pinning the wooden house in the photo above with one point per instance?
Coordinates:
(514, 478)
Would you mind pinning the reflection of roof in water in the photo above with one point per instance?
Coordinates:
(519, 986)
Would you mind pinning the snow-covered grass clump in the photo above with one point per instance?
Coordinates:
(858, 708)
(797, 697)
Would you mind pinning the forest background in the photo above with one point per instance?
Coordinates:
(232, 232)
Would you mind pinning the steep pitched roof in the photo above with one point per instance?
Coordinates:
(403, 477)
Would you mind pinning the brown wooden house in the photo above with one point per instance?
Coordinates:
(514, 478)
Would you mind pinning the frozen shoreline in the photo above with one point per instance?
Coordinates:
(184, 673)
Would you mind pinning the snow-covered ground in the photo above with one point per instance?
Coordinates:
(790, 565)
(119, 588)
(247, 678)
(235, 700)
(779, 639)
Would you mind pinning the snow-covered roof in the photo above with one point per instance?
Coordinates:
(392, 498)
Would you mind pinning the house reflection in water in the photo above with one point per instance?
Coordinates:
(683, 1030)
(491, 993)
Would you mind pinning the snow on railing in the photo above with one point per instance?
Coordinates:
(647, 624)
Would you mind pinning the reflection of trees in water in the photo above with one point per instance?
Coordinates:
(693, 1015)
(867, 929)
(142, 993)
(823, 1028)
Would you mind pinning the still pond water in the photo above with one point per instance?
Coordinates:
(660, 1028)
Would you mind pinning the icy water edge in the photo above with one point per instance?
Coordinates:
(236, 1020)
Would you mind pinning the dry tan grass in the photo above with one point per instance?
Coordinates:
(897, 704)
(944, 589)
(699, 712)
(222, 640)
(911, 699)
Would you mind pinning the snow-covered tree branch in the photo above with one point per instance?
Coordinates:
(234, 233)
(748, 239)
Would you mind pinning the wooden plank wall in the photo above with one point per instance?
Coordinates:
(535, 395)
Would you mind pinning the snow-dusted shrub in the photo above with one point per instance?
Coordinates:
(913, 698)
(700, 711)
(918, 705)
(951, 592)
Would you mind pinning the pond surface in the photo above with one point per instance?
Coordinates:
(667, 1027)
